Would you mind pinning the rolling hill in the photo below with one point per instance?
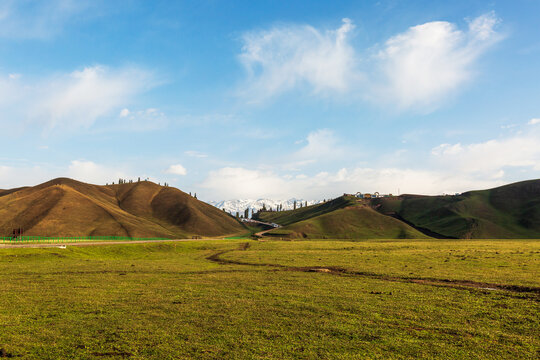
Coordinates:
(65, 207)
(511, 211)
(288, 217)
(341, 218)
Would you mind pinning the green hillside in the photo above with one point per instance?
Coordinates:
(511, 211)
(344, 218)
(292, 216)
(65, 207)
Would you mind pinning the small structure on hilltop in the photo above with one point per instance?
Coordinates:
(375, 195)
(17, 232)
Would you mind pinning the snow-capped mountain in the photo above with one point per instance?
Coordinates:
(240, 205)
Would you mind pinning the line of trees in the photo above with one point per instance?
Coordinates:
(124, 181)
(254, 212)
(296, 205)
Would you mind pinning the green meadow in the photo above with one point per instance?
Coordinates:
(242, 299)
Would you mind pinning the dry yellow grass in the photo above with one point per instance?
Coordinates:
(65, 207)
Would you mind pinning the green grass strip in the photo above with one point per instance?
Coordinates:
(63, 239)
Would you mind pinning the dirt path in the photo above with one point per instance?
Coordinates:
(458, 284)
(261, 233)
(97, 243)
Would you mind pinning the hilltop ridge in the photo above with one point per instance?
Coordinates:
(510, 211)
(345, 217)
(66, 207)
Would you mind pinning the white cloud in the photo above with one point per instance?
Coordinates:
(427, 62)
(284, 57)
(196, 154)
(138, 121)
(124, 112)
(40, 19)
(29, 174)
(90, 172)
(72, 100)
(534, 121)
(448, 168)
(84, 96)
(176, 169)
(418, 68)
(447, 149)
(321, 145)
(492, 156)
(17, 176)
(239, 183)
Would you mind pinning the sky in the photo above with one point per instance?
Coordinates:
(271, 99)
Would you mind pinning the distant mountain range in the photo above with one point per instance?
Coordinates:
(240, 205)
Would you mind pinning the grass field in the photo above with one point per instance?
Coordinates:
(377, 299)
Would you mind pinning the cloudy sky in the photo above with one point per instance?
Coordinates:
(250, 99)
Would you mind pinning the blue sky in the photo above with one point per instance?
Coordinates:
(251, 99)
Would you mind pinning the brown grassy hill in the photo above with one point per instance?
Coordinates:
(65, 207)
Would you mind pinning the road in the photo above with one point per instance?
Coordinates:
(261, 233)
(96, 243)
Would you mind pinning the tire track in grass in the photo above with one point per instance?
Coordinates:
(457, 284)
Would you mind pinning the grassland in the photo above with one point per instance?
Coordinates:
(511, 211)
(205, 300)
(354, 222)
(342, 218)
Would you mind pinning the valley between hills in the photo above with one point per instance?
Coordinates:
(66, 207)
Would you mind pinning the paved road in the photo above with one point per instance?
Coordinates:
(97, 243)
(261, 233)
